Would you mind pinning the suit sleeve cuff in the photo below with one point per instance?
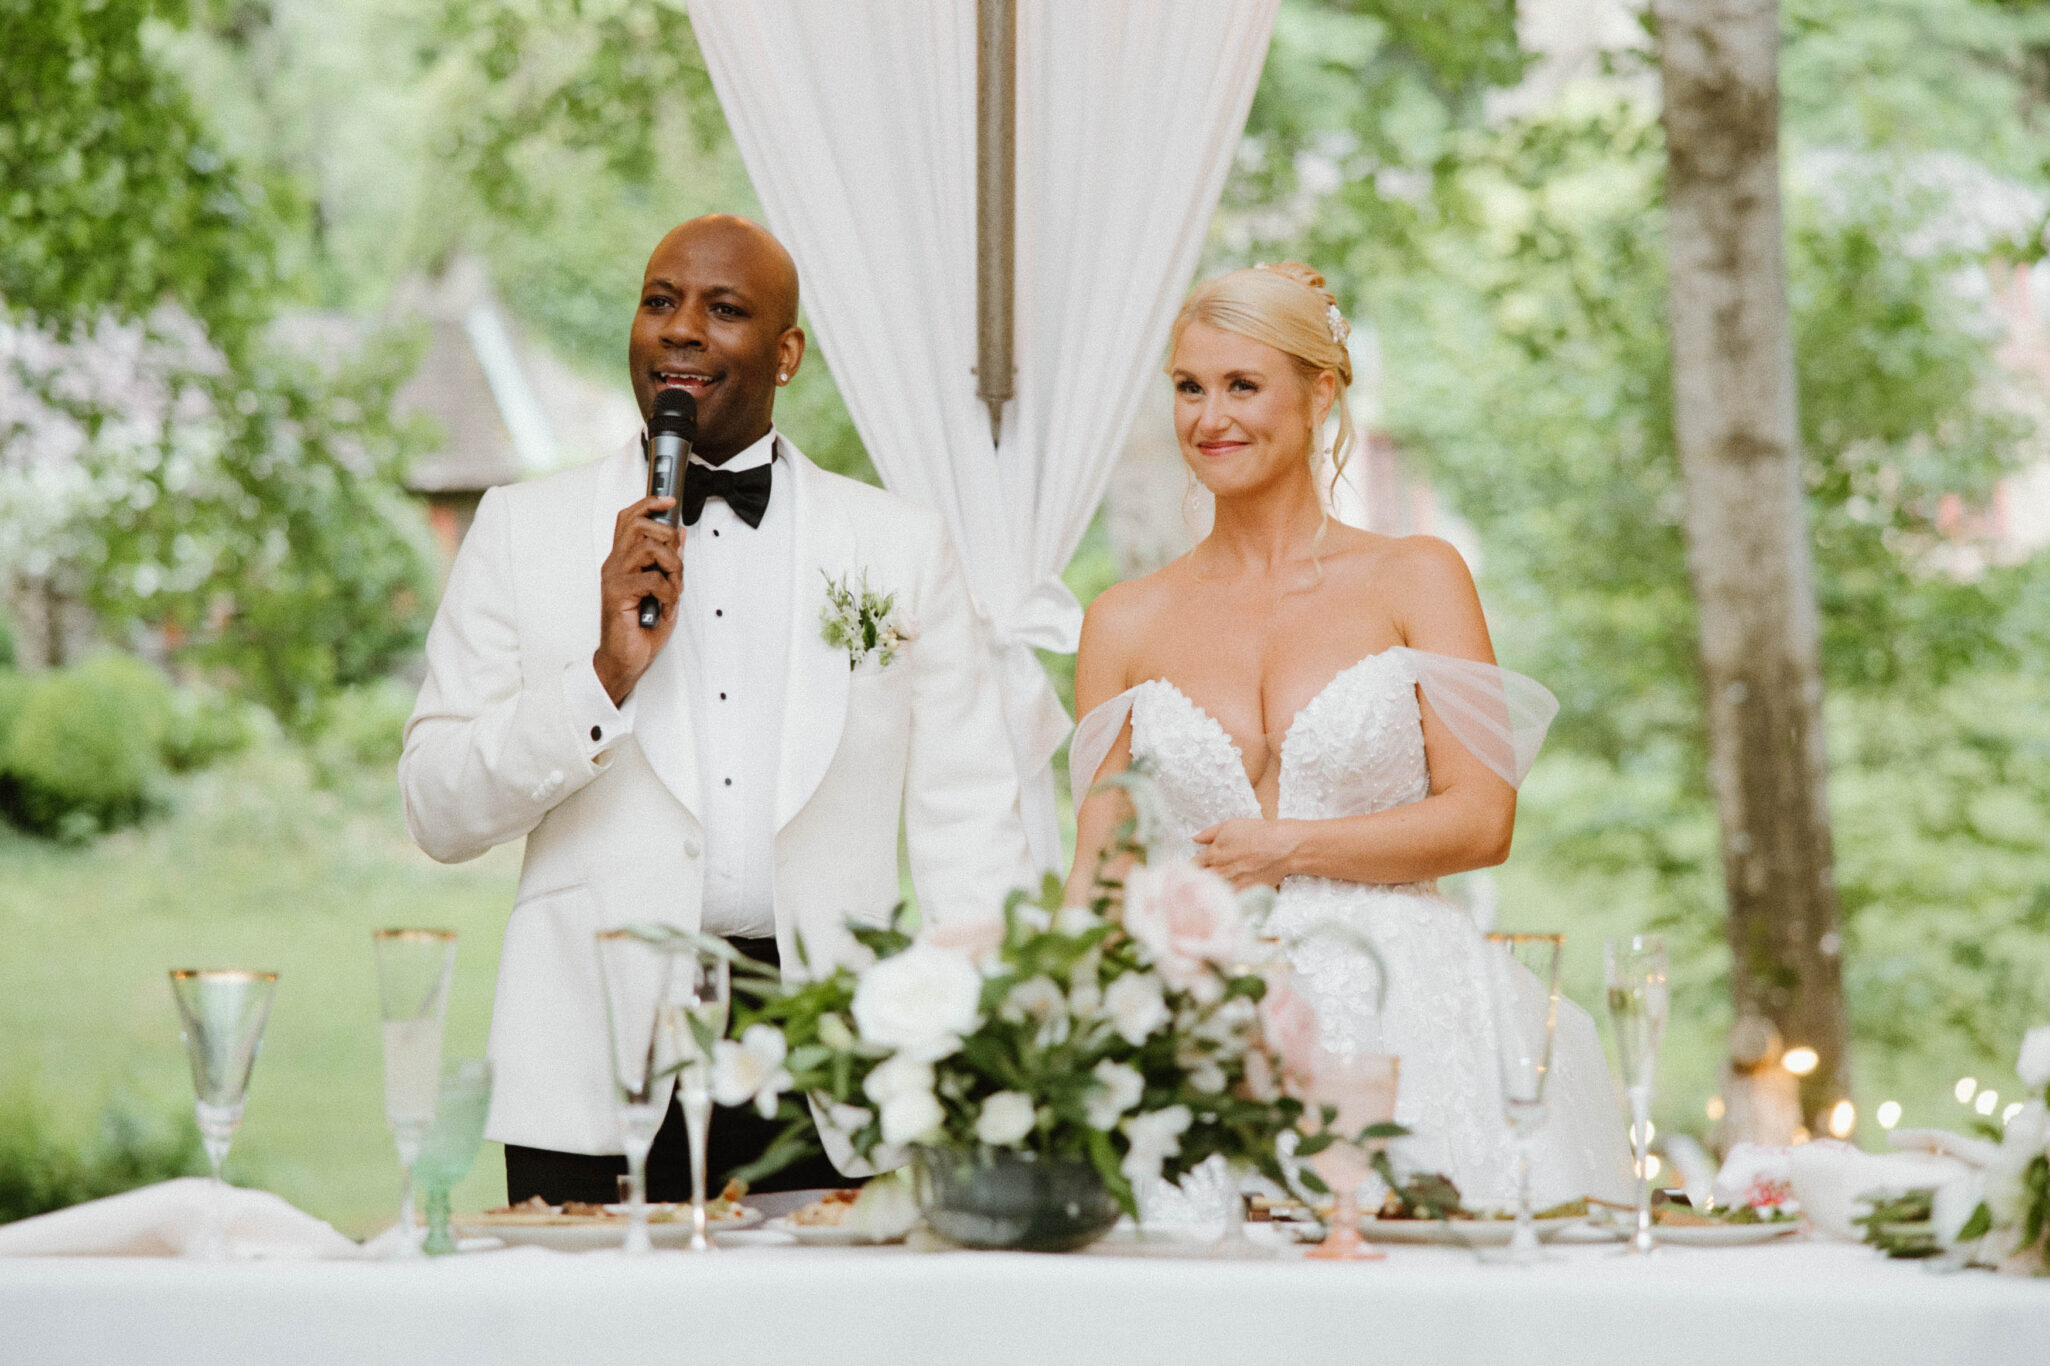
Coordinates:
(599, 724)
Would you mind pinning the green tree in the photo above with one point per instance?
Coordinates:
(227, 483)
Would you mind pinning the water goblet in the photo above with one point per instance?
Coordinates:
(1360, 1088)
(413, 970)
(1523, 973)
(221, 1014)
(450, 1147)
(1639, 999)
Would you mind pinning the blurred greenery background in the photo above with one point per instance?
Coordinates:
(189, 187)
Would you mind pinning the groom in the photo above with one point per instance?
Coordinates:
(727, 770)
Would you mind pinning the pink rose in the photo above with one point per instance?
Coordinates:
(1288, 1028)
(1185, 916)
(977, 936)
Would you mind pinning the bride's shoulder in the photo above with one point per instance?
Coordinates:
(1129, 607)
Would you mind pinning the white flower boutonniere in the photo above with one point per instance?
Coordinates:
(864, 622)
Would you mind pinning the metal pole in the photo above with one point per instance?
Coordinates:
(996, 119)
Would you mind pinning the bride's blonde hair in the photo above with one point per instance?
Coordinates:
(1288, 307)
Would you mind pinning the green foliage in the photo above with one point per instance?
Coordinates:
(243, 494)
(119, 199)
(85, 749)
(361, 727)
(205, 726)
(39, 1172)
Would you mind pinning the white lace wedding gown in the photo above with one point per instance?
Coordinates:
(1356, 748)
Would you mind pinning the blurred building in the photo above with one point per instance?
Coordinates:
(508, 407)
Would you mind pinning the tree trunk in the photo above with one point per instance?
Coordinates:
(1747, 534)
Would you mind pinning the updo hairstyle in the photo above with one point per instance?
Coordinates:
(1286, 306)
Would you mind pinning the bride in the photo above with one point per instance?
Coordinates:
(1321, 711)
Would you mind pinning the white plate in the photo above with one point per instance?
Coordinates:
(827, 1235)
(1450, 1232)
(1722, 1235)
(594, 1232)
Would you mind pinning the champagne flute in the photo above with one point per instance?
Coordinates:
(221, 1014)
(1360, 1088)
(1639, 998)
(450, 1148)
(694, 1018)
(1523, 972)
(413, 970)
(660, 996)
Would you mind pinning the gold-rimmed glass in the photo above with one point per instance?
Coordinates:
(221, 1015)
(413, 971)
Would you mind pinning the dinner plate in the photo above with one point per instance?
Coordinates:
(1722, 1235)
(591, 1232)
(1448, 1232)
(827, 1235)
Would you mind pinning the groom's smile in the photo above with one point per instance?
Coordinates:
(717, 319)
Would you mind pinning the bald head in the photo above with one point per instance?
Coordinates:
(718, 318)
(748, 246)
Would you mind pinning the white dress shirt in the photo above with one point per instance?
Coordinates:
(735, 632)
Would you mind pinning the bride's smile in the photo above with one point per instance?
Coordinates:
(1244, 413)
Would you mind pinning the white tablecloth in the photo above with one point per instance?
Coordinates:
(1802, 1302)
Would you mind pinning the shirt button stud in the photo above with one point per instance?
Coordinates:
(597, 733)
(729, 782)
(718, 611)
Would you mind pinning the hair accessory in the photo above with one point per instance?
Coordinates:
(1341, 330)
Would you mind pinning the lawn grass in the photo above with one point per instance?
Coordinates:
(256, 866)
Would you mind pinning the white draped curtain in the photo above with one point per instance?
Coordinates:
(857, 123)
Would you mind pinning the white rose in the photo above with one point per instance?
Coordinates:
(1075, 920)
(1186, 917)
(752, 1069)
(1038, 1000)
(1006, 1118)
(919, 1002)
(2033, 1067)
(1136, 1005)
(1154, 1137)
(1118, 1089)
(896, 1076)
(910, 1116)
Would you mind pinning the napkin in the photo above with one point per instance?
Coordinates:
(168, 1219)
(1830, 1180)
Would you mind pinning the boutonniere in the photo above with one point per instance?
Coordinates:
(863, 622)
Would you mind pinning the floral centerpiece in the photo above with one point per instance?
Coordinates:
(2008, 1176)
(2014, 1218)
(1131, 1038)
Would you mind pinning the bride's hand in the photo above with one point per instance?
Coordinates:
(1248, 853)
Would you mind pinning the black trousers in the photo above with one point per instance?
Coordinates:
(738, 1137)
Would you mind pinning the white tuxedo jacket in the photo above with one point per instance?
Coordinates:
(493, 753)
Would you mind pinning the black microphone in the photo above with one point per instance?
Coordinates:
(671, 431)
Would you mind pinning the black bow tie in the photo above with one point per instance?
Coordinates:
(745, 491)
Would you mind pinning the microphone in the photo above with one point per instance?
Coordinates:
(671, 431)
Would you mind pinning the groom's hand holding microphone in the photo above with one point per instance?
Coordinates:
(643, 576)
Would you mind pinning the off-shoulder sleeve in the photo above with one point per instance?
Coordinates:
(1095, 736)
(1499, 715)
